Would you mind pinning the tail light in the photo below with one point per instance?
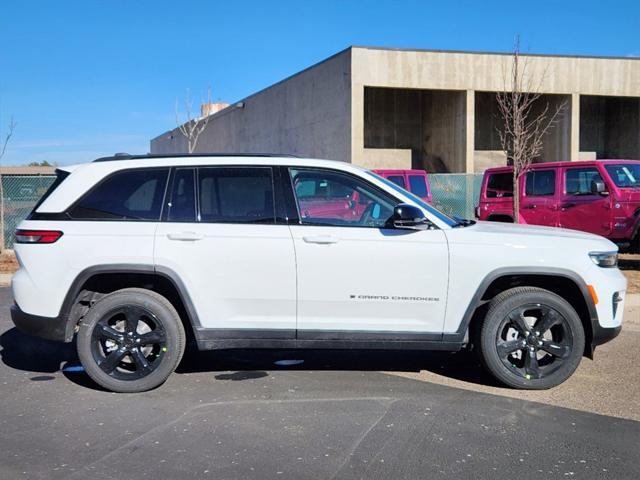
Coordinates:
(37, 236)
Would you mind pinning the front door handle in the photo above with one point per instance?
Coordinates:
(564, 206)
(321, 239)
(532, 206)
(185, 236)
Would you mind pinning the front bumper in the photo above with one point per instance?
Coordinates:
(49, 328)
(603, 334)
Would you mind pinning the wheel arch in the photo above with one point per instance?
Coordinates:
(96, 281)
(565, 283)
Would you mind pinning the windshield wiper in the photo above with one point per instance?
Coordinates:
(463, 222)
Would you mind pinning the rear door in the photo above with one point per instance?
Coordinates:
(579, 208)
(222, 236)
(538, 204)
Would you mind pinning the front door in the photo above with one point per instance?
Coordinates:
(220, 235)
(538, 205)
(579, 208)
(358, 279)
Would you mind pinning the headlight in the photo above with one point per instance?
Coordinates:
(605, 259)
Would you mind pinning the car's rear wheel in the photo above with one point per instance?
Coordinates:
(531, 339)
(131, 340)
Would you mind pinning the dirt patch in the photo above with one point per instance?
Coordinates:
(630, 266)
(8, 262)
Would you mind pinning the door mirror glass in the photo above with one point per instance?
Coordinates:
(598, 187)
(410, 217)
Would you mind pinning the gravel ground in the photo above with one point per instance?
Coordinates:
(630, 266)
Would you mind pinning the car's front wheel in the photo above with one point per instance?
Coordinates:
(531, 338)
(131, 340)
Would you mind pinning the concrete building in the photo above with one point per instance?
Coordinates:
(385, 108)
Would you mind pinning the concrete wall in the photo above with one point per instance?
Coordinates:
(308, 114)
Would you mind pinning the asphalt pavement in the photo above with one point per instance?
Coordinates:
(237, 415)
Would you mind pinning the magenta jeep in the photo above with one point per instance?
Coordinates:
(599, 196)
(414, 181)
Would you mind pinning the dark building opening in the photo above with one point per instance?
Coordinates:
(431, 123)
(609, 127)
(488, 121)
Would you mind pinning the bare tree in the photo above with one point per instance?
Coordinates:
(9, 134)
(523, 127)
(192, 127)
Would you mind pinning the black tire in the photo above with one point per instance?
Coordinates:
(531, 339)
(139, 331)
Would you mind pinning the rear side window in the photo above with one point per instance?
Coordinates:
(540, 183)
(418, 185)
(236, 195)
(398, 180)
(126, 195)
(578, 180)
(500, 185)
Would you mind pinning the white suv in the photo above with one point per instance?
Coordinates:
(135, 254)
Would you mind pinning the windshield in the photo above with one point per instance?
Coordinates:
(417, 200)
(625, 175)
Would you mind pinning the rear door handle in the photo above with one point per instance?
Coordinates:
(321, 239)
(185, 236)
(532, 207)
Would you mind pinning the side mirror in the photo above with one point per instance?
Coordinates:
(409, 217)
(598, 187)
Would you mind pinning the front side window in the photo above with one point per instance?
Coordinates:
(326, 197)
(540, 183)
(236, 195)
(625, 175)
(499, 185)
(418, 185)
(126, 195)
(578, 180)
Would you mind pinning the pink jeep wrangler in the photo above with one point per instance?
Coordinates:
(415, 181)
(599, 196)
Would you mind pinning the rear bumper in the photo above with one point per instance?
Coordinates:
(49, 328)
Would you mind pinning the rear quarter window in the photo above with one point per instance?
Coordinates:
(125, 195)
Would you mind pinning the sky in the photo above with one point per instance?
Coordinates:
(84, 79)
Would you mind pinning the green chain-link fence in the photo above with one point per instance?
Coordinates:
(21, 192)
(456, 194)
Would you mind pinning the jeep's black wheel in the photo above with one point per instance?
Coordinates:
(131, 340)
(531, 339)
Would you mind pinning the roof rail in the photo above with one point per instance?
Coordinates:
(126, 156)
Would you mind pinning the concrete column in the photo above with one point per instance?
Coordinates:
(575, 127)
(470, 147)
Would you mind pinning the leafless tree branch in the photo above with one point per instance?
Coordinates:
(192, 127)
(523, 129)
(9, 134)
